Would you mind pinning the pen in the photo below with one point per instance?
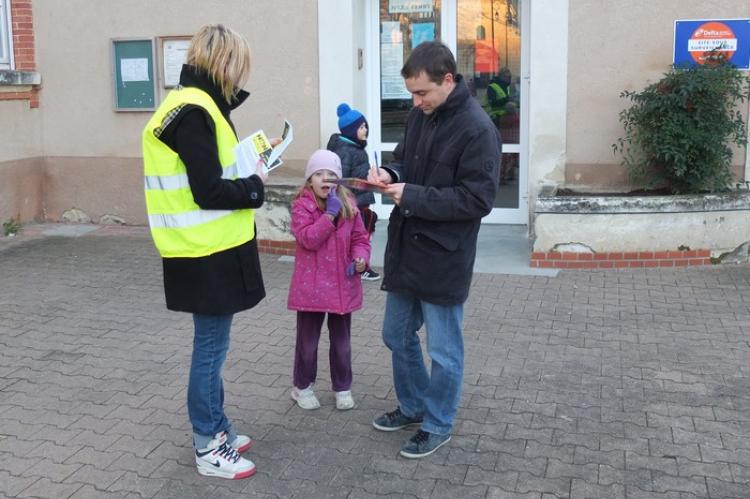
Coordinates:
(376, 157)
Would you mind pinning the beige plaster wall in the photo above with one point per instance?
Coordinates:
(20, 132)
(719, 231)
(75, 151)
(616, 46)
(21, 191)
(21, 167)
(44, 189)
(97, 186)
(73, 56)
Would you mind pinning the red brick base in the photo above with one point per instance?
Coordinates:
(31, 96)
(568, 260)
(277, 247)
(636, 259)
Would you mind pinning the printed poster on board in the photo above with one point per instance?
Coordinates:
(422, 32)
(391, 62)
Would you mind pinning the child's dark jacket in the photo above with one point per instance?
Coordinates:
(354, 163)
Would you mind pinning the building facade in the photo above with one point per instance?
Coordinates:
(69, 146)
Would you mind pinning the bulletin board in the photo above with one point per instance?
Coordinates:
(133, 74)
(173, 52)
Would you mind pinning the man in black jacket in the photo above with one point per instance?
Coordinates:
(443, 181)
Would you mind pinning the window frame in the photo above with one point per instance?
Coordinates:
(6, 36)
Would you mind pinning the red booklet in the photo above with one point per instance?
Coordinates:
(361, 184)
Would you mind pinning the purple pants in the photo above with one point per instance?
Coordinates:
(309, 325)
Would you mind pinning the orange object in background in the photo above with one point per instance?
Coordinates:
(709, 36)
(486, 58)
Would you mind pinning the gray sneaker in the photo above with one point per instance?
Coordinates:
(423, 444)
(394, 420)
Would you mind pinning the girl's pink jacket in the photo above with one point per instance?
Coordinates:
(319, 282)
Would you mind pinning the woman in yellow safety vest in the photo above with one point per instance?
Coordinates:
(500, 94)
(201, 214)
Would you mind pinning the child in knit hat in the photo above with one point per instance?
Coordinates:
(350, 145)
(333, 248)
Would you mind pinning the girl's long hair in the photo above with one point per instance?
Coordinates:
(348, 205)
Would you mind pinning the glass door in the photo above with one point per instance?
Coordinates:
(485, 36)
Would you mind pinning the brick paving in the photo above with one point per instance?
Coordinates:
(602, 384)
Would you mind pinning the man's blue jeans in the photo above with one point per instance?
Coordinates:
(434, 396)
(205, 396)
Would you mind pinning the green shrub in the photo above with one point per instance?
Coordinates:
(679, 131)
(11, 227)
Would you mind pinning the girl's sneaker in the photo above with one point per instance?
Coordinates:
(344, 400)
(306, 398)
(219, 459)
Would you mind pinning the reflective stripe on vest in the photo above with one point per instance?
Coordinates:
(189, 219)
(179, 227)
(180, 181)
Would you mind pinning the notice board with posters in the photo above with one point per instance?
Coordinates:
(693, 39)
(173, 54)
(133, 74)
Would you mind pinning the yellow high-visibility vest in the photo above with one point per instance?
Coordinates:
(500, 94)
(179, 227)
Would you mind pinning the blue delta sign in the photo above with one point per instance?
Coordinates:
(694, 39)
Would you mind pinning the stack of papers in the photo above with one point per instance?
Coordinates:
(257, 147)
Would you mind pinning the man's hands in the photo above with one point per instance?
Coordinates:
(381, 176)
(378, 175)
(395, 191)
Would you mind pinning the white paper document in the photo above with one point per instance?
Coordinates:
(258, 147)
(134, 69)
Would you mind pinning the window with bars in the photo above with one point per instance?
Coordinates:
(5, 49)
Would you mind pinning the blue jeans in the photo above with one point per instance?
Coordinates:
(205, 395)
(434, 396)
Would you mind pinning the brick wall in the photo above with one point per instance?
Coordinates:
(276, 247)
(22, 26)
(636, 259)
(23, 35)
(569, 260)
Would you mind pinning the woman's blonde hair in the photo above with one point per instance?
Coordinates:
(224, 55)
(348, 206)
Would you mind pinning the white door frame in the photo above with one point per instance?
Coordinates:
(518, 215)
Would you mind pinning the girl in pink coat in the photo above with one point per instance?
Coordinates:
(333, 248)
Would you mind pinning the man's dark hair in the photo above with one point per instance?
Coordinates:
(433, 58)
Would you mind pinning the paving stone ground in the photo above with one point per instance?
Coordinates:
(616, 384)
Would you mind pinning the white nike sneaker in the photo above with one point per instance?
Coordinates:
(219, 459)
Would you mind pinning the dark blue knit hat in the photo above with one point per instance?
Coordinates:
(349, 120)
